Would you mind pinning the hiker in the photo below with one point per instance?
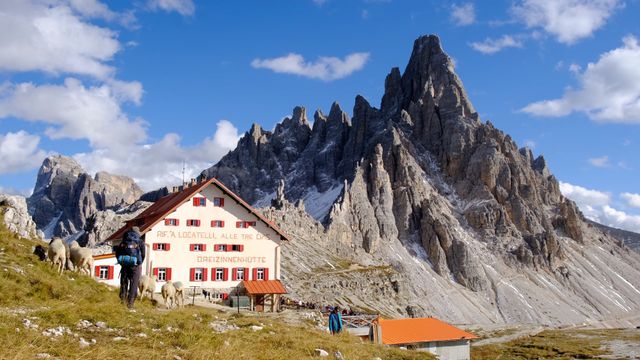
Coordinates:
(335, 321)
(130, 254)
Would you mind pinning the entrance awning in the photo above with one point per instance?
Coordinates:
(262, 287)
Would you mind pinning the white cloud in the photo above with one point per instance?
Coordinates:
(530, 144)
(160, 164)
(182, 7)
(601, 162)
(584, 196)
(632, 199)
(491, 46)
(463, 14)
(19, 151)
(567, 20)
(595, 205)
(49, 36)
(609, 89)
(77, 112)
(325, 68)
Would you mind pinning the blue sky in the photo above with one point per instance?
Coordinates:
(138, 87)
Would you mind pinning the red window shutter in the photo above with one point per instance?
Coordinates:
(266, 273)
(241, 248)
(255, 274)
(110, 273)
(221, 223)
(177, 222)
(155, 272)
(97, 270)
(238, 224)
(167, 246)
(167, 221)
(229, 247)
(204, 247)
(155, 246)
(246, 273)
(197, 222)
(204, 274)
(221, 201)
(225, 296)
(168, 274)
(196, 202)
(225, 274)
(192, 274)
(234, 274)
(191, 247)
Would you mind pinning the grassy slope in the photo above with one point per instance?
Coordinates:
(30, 289)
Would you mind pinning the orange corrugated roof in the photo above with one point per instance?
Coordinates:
(416, 330)
(258, 287)
(104, 256)
(167, 204)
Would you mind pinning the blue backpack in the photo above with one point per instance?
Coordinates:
(128, 251)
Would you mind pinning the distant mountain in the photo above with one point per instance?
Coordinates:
(627, 238)
(469, 226)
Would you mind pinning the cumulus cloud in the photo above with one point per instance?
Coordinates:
(160, 164)
(595, 205)
(51, 36)
(609, 89)
(463, 14)
(601, 162)
(491, 46)
(77, 112)
(19, 151)
(182, 7)
(325, 68)
(567, 20)
(632, 199)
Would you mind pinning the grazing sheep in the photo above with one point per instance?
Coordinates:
(168, 293)
(147, 284)
(68, 263)
(56, 253)
(179, 293)
(82, 258)
(40, 252)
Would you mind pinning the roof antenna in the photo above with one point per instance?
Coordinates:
(183, 166)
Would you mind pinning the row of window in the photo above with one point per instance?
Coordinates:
(106, 272)
(214, 223)
(201, 247)
(202, 201)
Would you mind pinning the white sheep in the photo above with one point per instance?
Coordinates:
(68, 262)
(168, 293)
(147, 284)
(57, 253)
(179, 293)
(82, 258)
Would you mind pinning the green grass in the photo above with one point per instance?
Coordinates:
(556, 344)
(30, 289)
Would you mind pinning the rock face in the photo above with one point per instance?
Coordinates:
(13, 210)
(447, 203)
(67, 201)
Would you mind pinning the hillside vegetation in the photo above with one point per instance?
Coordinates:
(43, 315)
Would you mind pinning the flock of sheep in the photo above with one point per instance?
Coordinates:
(73, 257)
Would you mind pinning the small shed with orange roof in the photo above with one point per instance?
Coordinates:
(445, 341)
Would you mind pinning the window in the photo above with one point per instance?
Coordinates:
(198, 274)
(104, 272)
(260, 274)
(217, 223)
(239, 273)
(220, 247)
(171, 222)
(198, 247)
(218, 202)
(162, 274)
(237, 247)
(199, 201)
(193, 222)
(162, 246)
(245, 224)
(219, 274)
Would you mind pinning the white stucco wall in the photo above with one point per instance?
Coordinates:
(447, 350)
(110, 261)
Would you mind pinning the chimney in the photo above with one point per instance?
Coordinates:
(202, 178)
(175, 189)
(192, 182)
